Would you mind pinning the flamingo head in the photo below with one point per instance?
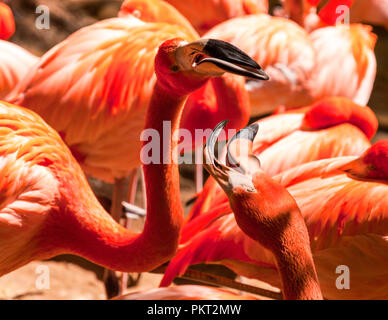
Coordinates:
(373, 164)
(262, 207)
(184, 67)
(332, 111)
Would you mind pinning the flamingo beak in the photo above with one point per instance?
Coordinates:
(239, 167)
(214, 57)
(229, 58)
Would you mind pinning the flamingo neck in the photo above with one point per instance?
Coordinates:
(84, 228)
(164, 207)
(272, 218)
(296, 266)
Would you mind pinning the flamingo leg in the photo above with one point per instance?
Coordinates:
(111, 281)
(131, 197)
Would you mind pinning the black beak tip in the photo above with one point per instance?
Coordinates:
(261, 75)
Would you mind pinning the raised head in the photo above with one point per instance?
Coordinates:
(266, 212)
(184, 67)
(259, 203)
(332, 111)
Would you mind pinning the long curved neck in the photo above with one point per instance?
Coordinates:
(162, 179)
(272, 218)
(86, 229)
(296, 266)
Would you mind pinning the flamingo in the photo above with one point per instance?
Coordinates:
(303, 68)
(214, 12)
(344, 204)
(267, 214)
(103, 77)
(7, 23)
(330, 127)
(48, 207)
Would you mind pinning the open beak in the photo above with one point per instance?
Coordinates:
(214, 57)
(240, 165)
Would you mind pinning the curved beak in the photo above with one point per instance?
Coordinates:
(240, 165)
(214, 57)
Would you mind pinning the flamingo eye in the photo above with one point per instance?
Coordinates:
(198, 58)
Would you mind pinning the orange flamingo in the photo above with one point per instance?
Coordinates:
(103, 77)
(331, 127)
(303, 68)
(95, 87)
(344, 204)
(48, 207)
(7, 23)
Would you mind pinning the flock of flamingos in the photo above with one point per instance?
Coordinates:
(310, 194)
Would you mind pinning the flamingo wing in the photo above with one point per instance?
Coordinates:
(28, 188)
(15, 62)
(213, 12)
(94, 88)
(346, 63)
(285, 52)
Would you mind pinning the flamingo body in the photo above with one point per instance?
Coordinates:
(346, 67)
(285, 52)
(214, 12)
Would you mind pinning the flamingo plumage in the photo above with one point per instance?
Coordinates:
(343, 202)
(15, 63)
(330, 127)
(304, 12)
(48, 207)
(14, 60)
(95, 88)
(213, 12)
(303, 67)
(345, 62)
(102, 76)
(7, 22)
(283, 49)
